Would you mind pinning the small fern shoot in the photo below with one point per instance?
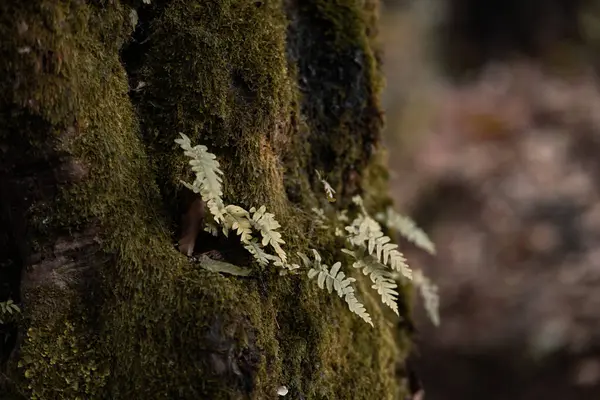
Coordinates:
(329, 192)
(332, 278)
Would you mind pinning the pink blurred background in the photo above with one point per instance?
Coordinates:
(493, 136)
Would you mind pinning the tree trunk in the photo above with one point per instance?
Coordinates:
(93, 94)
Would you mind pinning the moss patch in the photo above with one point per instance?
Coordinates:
(75, 355)
(216, 70)
(151, 323)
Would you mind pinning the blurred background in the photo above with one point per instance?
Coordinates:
(493, 136)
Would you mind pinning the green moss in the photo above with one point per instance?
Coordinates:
(216, 70)
(155, 325)
(61, 346)
(340, 84)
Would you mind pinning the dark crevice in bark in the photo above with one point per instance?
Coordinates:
(19, 179)
(10, 277)
(134, 51)
(24, 182)
(336, 82)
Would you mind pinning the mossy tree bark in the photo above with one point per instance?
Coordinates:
(92, 95)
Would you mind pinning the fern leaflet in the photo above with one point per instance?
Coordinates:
(407, 228)
(238, 219)
(208, 175)
(335, 279)
(380, 276)
(261, 256)
(364, 230)
(329, 191)
(431, 298)
(8, 307)
(266, 223)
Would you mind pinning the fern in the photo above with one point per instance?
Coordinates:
(212, 229)
(373, 251)
(320, 218)
(261, 256)
(380, 276)
(231, 217)
(9, 308)
(332, 278)
(222, 267)
(266, 223)
(342, 216)
(429, 292)
(237, 219)
(329, 192)
(407, 228)
(208, 175)
(365, 231)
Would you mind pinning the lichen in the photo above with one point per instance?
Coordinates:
(159, 326)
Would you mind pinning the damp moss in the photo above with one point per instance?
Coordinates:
(216, 70)
(61, 345)
(333, 45)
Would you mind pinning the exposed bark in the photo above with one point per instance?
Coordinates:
(92, 96)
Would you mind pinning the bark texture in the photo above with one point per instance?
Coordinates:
(92, 95)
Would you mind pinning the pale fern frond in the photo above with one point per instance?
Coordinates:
(306, 261)
(222, 267)
(359, 202)
(334, 279)
(397, 262)
(208, 180)
(362, 229)
(320, 218)
(365, 231)
(288, 267)
(406, 227)
(265, 222)
(216, 208)
(429, 293)
(211, 228)
(342, 216)
(238, 219)
(261, 256)
(329, 191)
(380, 276)
(319, 212)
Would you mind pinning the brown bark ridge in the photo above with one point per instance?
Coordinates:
(92, 96)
